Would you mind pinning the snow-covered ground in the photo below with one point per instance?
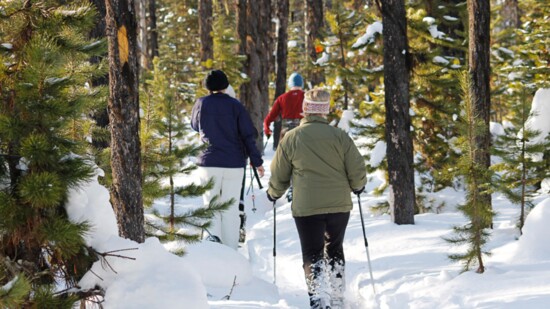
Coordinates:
(409, 262)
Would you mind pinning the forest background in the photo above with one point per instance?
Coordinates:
(111, 83)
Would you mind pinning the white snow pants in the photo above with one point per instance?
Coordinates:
(227, 184)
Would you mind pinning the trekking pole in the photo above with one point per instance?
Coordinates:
(266, 141)
(366, 242)
(257, 176)
(274, 244)
(252, 187)
(241, 201)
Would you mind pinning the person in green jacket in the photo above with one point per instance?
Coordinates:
(325, 167)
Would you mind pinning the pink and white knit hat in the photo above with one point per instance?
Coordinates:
(316, 101)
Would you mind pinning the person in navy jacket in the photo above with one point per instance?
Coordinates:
(230, 137)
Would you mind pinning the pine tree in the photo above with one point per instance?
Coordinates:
(520, 149)
(226, 46)
(150, 141)
(344, 22)
(369, 45)
(438, 53)
(526, 63)
(43, 72)
(169, 146)
(296, 40)
(180, 50)
(477, 180)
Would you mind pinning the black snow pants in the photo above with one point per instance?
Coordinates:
(321, 239)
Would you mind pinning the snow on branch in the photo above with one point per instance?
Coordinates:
(369, 36)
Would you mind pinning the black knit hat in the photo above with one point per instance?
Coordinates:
(216, 80)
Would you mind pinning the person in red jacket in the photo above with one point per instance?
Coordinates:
(288, 106)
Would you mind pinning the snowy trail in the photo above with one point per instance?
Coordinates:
(410, 263)
(386, 246)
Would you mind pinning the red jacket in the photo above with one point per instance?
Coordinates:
(288, 106)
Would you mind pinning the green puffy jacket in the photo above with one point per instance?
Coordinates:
(324, 165)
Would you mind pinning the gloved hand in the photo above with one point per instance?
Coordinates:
(270, 198)
(358, 191)
(267, 130)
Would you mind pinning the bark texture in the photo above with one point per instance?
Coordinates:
(205, 29)
(511, 14)
(479, 71)
(254, 26)
(399, 149)
(147, 32)
(152, 32)
(281, 60)
(140, 7)
(314, 24)
(126, 195)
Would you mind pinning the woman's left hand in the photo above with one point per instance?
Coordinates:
(261, 171)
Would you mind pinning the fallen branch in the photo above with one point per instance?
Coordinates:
(228, 296)
(103, 258)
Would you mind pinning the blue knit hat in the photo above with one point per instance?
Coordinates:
(295, 80)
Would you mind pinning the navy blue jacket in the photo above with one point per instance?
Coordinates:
(227, 129)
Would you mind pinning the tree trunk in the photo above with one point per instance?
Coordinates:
(152, 31)
(343, 62)
(281, 60)
(241, 26)
(126, 195)
(101, 117)
(511, 14)
(254, 32)
(479, 71)
(140, 7)
(314, 24)
(399, 149)
(205, 29)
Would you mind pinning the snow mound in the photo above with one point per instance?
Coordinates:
(155, 279)
(147, 276)
(531, 245)
(205, 258)
(90, 202)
